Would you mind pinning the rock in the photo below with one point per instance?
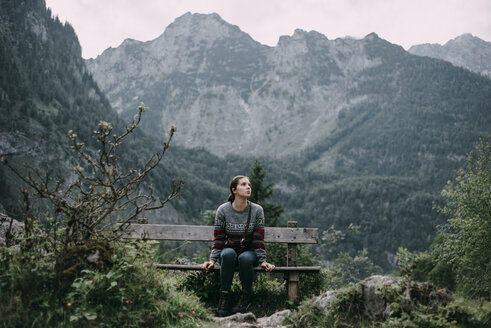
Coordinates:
(375, 303)
(379, 294)
(16, 230)
(93, 257)
(237, 320)
(325, 301)
(244, 320)
(274, 320)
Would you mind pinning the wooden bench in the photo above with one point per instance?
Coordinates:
(292, 235)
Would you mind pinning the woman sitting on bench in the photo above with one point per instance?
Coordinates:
(238, 237)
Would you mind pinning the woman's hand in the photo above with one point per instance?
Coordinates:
(267, 266)
(207, 265)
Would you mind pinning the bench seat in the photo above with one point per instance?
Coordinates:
(195, 267)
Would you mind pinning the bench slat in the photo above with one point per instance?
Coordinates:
(205, 233)
(217, 267)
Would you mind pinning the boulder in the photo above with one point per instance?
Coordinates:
(248, 320)
(383, 296)
(10, 226)
(375, 303)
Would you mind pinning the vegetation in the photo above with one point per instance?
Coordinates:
(458, 260)
(71, 269)
(464, 241)
(459, 257)
(344, 269)
(124, 292)
(87, 206)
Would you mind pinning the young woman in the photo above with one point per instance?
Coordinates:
(235, 242)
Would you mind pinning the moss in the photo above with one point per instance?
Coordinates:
(92, 254)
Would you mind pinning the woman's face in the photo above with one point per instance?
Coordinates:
(243, 188)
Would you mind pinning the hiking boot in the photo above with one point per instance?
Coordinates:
(222, 304)
(244, 303)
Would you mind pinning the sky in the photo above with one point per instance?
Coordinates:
(101, 24)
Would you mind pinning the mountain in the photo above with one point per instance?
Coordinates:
(344, 105)
(465, 51)
(202, 73)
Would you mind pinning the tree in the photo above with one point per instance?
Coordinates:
(465, 240)
(102, 191)
(261, 193)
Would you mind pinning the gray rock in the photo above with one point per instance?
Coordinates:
(16, 230)
(378, 295)
(274, 320)
(325, 300)
(93, 257)
(237, 320)
(12, 226)
(375, 303)
(248, 320)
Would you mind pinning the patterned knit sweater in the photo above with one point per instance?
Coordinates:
(230, 225)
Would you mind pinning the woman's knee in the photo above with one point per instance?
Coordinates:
(228, 255)
(247, 258)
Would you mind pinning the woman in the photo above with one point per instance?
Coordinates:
(233, 243)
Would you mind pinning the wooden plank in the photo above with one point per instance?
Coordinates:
(205, 233)
(196, 267)
(291, 261)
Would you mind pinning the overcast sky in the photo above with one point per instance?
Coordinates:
(100, 24)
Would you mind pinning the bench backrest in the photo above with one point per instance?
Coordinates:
(205, 233)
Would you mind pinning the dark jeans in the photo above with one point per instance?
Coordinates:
(246, 262)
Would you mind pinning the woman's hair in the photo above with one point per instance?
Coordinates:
(233, 185)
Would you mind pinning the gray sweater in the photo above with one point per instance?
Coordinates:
(230, 225)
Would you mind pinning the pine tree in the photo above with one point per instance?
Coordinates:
(261, 193)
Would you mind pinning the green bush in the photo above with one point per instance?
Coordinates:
(27, 287)
(132, 293)
(127, 292)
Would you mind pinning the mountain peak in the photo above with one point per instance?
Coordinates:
(301, 35)
(197, 17)
(209, 26)
(466, 51)
(465, 36)
(130, 42)
(372, 37)
(196, 30)
(467, 39)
